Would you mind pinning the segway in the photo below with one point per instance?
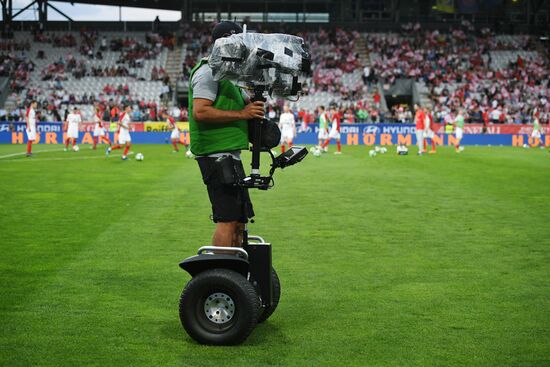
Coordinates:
(232, 289)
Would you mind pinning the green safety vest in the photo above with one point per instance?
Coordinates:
(208, 138)
(449, 129)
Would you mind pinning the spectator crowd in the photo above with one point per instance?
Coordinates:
(455, 67)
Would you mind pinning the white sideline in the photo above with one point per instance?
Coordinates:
(51, 159)
(54, 159)
(23, 153)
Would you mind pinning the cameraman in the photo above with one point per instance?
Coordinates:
(218, 124)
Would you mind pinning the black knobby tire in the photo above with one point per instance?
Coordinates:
(241, 308)
(276, 286)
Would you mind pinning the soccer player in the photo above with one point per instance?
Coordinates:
(99, 129)
(175, 135)
(124, 137)
(30, 119)
(73, 120)
(323, 128)
(334, 130)
(429, 129)
(459, 132)
(536, 134)
(419, 120)
(287, 125)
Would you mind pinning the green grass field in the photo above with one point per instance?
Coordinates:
(438, 260)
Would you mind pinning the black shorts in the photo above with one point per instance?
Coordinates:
(230, 203)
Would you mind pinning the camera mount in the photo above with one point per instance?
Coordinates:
(289, 158)
(266, 64)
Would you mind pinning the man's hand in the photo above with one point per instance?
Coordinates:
(253, 110)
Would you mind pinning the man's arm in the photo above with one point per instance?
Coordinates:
(203, 111)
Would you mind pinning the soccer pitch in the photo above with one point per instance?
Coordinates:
(440, 260)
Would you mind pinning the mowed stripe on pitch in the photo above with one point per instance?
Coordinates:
(105, 276)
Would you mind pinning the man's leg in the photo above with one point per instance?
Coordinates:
(126, 149)
(29, 147)
(420, 141)
(228, 234)
(175, 145)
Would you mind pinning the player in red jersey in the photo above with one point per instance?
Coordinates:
(334, 130)
(99, 129)
(420, 124)
(175, 135)
(124, 137)
(30, 119)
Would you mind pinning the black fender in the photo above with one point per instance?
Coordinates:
(199, 263)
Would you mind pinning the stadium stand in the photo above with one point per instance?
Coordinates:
(60, 68)
(497, 78)
(504, 76)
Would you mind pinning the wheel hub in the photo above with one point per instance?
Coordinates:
(219, 308)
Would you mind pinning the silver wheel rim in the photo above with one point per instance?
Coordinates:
(219, 308)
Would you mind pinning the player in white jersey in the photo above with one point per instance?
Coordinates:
(536, 134)
(429, 129)
(124, 137)
(175, 134)
(459, 129)
(323, 128)
(72, 126)
(287, 125)
(30, 119)
(334, 133)
(99, 129)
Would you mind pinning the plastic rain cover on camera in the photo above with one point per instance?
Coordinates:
(273, 61)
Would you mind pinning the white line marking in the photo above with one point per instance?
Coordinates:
(51, 159)
(23, 153)
(60, 158)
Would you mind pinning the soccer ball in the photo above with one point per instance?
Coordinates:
(139, 157)
(372, 153)
(377, 149)
(526, 146)
(189, 155)
(383, 150)
(316, 152)
(76, 148)
(402, 149)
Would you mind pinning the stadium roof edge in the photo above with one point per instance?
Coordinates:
(274, 6)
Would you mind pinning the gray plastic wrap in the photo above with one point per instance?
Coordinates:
(274, 61)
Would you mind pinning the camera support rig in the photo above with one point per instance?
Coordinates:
(289, 158)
